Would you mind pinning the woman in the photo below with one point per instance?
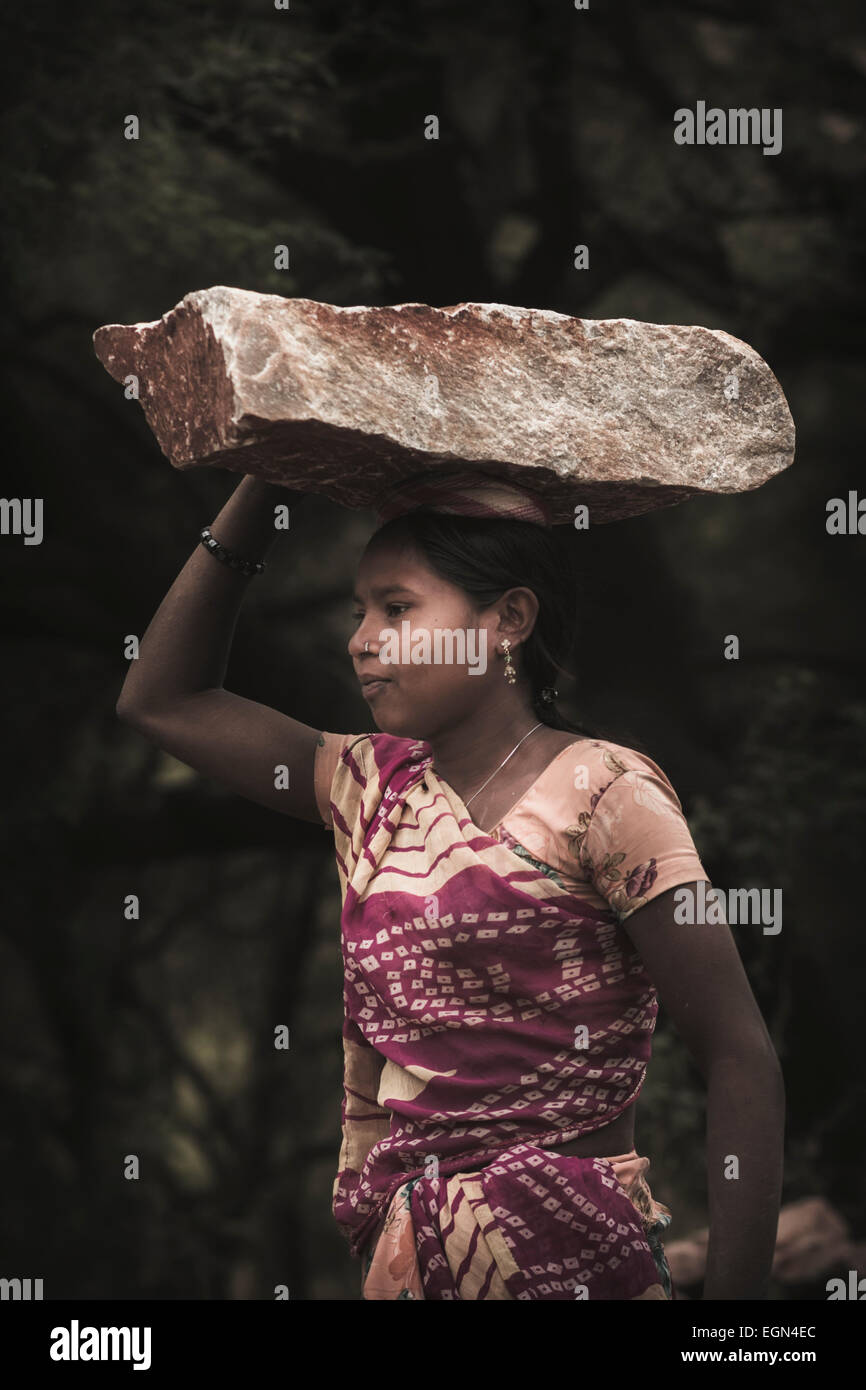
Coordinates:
(510, 887)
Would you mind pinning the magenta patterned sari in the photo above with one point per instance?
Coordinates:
(494, 1006)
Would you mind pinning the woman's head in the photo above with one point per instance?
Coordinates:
(484, 581)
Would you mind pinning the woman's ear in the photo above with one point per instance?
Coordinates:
(518, 612)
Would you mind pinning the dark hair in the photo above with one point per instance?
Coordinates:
(486, 556)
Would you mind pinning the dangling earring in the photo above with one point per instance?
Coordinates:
(510, 673)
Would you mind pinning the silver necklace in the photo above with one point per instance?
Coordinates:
(502, 764)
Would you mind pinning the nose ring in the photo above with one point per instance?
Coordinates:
(366, 646)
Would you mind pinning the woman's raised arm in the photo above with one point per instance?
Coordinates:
(173, 693)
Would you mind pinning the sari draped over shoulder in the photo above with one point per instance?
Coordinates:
(493, 1006)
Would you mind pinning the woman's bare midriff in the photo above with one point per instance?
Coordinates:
(615, 1138)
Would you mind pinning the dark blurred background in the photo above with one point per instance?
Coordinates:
(259, 126)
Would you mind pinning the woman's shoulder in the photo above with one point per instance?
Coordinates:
(607, 813)
(599, 763)
(591, 782)
(345, 763)
(603, 759)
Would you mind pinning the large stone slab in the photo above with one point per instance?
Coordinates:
(625, 416)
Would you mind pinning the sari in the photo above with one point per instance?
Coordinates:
(441, 1239)
(494, 1006)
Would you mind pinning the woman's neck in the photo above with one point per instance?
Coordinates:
(466, 753)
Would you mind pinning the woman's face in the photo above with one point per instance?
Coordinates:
(451, 675)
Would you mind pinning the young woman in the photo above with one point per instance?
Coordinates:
(511, 889)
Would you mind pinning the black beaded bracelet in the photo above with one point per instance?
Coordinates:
(228, 557)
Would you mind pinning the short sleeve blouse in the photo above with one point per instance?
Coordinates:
(602, 819)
